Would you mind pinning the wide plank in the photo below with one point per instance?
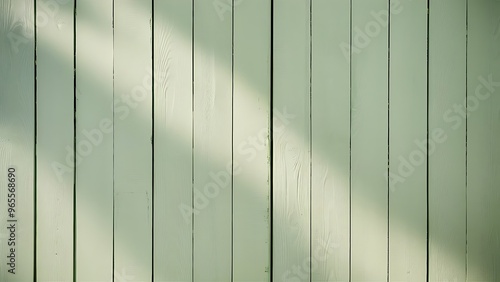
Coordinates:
(330, 126)
(173, 119)
(447, 162)
(133, 130)
(17, 139)
(55, 159)
(251, 141)
(291, 140)
(94, 141)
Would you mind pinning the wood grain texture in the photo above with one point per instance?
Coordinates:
(291, 140)
(132, 139)
(407, 135)
(212, 196)
(369, 147)
(17, 101)
(94, 141)
(251, 145)
(55, 140)
(173, 175)
(483, 131)
(447, 180)
(173, 141)
(330, 141)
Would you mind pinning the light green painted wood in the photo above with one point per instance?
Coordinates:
(369, 110)
(212, 151)
(407, 135)
(330, 141)
(340, 122)
(291, 140)
(447, 80)
(17, 101)
(55, 140)
(251, 143)
(173, 141)
(132, 140)
(483, 132)
(94, 141)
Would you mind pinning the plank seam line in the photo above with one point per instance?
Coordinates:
(350, 141)
(35, 174)
(427, 147)
(74, 139)
(310, 135)
(466, 130)
(192, 137)
(113, 142)
(232, 142)
(271, 146)
(153, 140)
(388, 137)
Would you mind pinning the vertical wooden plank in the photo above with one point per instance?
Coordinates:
(251, 198)
(369, 98)
(17, 102)
(407, 139)
(132, 139)
(330, 140)
(173, 141)
(212, 143)
(483, 132)
(447, 212)
(291, 142)
(94, 141)
(55, 140)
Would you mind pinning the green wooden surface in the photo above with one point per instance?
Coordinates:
(172, 141)
(213, 187)
(55, 139)
(94, 134)
(17, 145)
(330, 121)
(408, 131)
(133, 130)
(483, 154)
(369, 147)
(291, 142)
(251, 141)
(284, 148)
(446, 180)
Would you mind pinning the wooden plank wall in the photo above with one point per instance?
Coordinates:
(94, 141)
(249, 140)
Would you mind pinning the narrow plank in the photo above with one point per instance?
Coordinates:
(369, 97)
(94, 141)
(291, 140)
(252, 101)
(447, 86)
(330, 140)
(17, 101)
(132, 139)
(407, 139)
(212, 144)
(483, 131)
(55, 141)
(173, 141)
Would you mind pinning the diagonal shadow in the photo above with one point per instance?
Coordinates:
(178, 142)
